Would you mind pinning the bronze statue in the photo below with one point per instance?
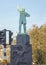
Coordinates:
(22, 19)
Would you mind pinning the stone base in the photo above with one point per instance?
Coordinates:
(21, 55)
(22, 39)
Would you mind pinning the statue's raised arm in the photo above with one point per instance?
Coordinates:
(19, 9)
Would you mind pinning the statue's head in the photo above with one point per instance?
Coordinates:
(23, 9)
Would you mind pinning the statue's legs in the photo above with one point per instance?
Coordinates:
(24, 25)
(19, 28)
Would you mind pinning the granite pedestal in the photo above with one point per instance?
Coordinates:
(21, 53)
(22, 39)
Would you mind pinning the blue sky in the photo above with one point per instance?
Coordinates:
(9, 16)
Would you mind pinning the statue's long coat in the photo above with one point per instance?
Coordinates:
(23, 16)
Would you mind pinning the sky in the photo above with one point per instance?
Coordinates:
(9, 16)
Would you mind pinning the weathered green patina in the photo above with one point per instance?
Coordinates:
(22, 19)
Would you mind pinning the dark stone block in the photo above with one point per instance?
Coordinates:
(21, 55)
(22, 39)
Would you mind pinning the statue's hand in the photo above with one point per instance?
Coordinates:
(18, 8)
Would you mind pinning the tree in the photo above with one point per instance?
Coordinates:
(38, 41)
